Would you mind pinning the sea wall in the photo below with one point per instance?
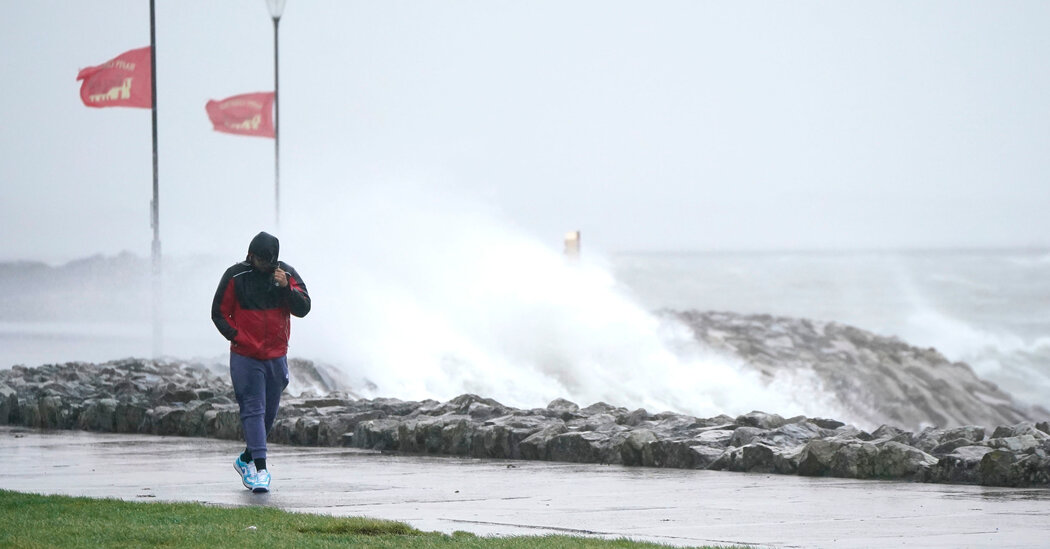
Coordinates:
(186, 399)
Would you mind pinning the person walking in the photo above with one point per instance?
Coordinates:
(251, 309)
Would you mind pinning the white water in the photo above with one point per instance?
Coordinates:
(435, 298)
(430, 294)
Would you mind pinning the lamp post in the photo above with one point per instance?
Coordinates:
(276, 7)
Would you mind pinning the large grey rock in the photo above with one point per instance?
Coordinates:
(8, 403)
(599, 421)
(483, 408)
(223, 421)
(582, 447)
(52, 414)
(682, 454)
(746, 435)
(336, 403)
(855, 459)
(1005, 468)
(900, 461)
(502, 437)
(165, 420)
(423, 434)
(950, 446)
(715, 437)
(99, 415)
(28, 411)
(637, 447)
(174, 394)
(825, 423)
(536, 446)
(861, 459)
(678, 425)
(1015, 444)
(635, 418)
(301, 431)
(757, 458)
(889, 432)
(457, 436)
(850, 432)
(1020, 429)
(961, 466)
(816, 457)
(392, 406)
(761, 420)
(792, 435)
(930, 438)
(602, 408)
(131, 417)
(377, 434)
(331, 431)
(563, 409)
(193, 423)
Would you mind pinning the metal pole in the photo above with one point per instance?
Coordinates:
(276, 135)
(155, 213)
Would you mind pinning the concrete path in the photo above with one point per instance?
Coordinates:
(489, 497)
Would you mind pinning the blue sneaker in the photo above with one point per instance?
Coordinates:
(260, 481)
(245, 470)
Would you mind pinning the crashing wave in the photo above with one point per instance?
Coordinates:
(874, 379)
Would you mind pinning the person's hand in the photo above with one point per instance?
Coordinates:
(280, 278)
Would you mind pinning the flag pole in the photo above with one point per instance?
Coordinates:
(155, 204)
(276, 8)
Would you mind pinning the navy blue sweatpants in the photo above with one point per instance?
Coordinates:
(258, 385)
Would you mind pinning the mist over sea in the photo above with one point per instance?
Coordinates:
(527, 326)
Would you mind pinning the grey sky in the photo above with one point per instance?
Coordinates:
(648, 125)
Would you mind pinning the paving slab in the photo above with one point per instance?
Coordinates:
(502, 497)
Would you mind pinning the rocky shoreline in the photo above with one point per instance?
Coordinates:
(192, 399)
(872, 378)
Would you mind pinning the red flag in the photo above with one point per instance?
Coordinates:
(245, 114)
(123, 81)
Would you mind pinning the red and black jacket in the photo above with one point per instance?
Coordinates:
(253, 314)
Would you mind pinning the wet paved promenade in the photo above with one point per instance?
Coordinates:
(489, 497)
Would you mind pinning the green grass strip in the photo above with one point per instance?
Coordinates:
(31, 521)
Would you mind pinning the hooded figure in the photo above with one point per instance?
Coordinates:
(252, 309)
(264, 246)
(254, 299)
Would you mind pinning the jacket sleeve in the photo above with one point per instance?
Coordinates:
(222, 306)
(298, 297)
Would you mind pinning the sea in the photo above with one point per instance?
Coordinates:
(524, 325)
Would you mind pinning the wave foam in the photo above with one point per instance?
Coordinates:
(1004, 358)
(434, 295)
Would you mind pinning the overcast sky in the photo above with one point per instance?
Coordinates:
(647, 125)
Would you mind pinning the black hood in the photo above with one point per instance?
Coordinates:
(265, 246)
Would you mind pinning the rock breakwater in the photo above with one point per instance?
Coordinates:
(874, 379)
(172, 398)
